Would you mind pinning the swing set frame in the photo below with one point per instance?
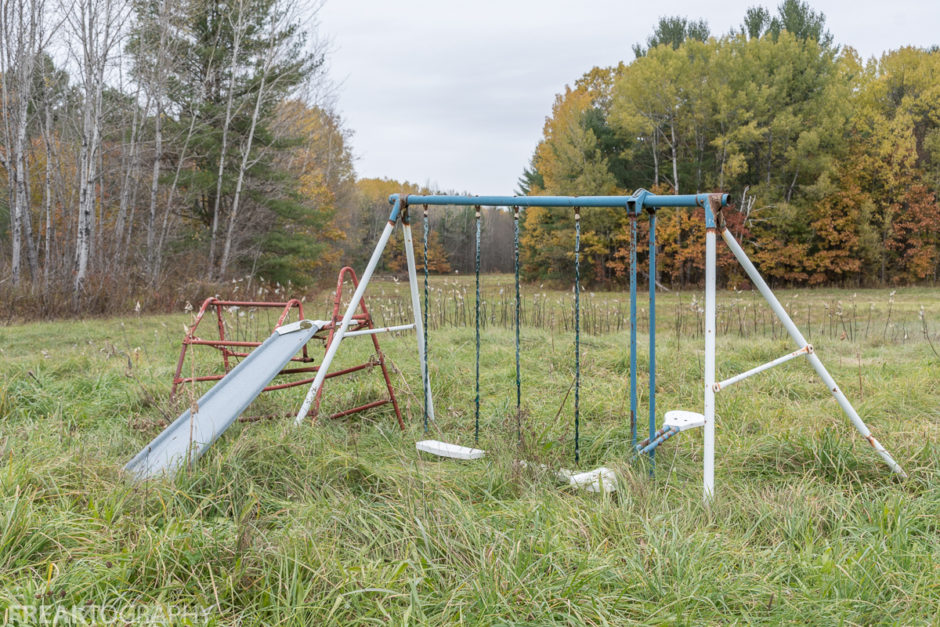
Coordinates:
(641, 201)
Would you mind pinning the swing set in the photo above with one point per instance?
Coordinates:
(674, 421)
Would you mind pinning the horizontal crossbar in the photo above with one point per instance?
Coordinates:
(806, 350)
(401, 327)
(641, 200)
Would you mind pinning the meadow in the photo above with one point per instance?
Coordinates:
(344, 523)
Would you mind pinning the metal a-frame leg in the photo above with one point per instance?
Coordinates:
(797, 337)
(347, 317)
(363, 321)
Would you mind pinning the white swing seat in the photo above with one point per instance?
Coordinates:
(682, 420)
(601, 479)
(444, 449)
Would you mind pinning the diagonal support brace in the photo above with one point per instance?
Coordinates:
(797, 337)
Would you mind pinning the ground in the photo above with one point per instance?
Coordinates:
(344, 523)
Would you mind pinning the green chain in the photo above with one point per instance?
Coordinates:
(427, 375)
(476, 427)
(577, 334)
(515, 244)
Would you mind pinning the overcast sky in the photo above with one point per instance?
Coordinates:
(454, 94)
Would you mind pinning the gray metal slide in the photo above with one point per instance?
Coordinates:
(193, 434)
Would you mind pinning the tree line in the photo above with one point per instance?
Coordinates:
(833, 163)
(168, 146)
(159, 142)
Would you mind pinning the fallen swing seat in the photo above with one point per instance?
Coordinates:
(600, 479)
(444, 449)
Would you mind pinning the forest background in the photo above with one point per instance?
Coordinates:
(161, 151)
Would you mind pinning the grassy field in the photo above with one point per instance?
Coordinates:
(343, 523)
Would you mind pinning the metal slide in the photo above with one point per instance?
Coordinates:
(192, 434)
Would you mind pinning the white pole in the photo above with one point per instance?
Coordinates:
(347, 317)
(794, 332)
(416, 306)
(708, 474)
(401, 327)
(750, 373)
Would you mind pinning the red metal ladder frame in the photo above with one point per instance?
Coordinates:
(239, 349)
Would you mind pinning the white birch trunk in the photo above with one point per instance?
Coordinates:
(675, 158)
(47, 194)
(157, 87)
(213, 238)
(246, 152)
(131, 168)
(272, 54)
(168, 211)
(21, 41)
(96, 24)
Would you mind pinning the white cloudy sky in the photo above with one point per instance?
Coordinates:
(454, 94)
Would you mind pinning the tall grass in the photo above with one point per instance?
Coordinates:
(887, 314)
(344, 523)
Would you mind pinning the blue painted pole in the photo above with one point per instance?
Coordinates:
(642, 198)
(652, 348)
(633, 398)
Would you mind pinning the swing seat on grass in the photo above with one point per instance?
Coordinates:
(598, 480)
(444, 449)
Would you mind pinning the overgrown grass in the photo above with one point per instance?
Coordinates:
(343, 522)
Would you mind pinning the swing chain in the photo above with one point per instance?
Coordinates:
(577, 334)
(515, 245)
(476, 411)
(427, 375)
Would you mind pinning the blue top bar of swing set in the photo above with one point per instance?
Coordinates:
(642, 199)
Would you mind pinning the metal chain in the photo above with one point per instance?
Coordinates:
(427, 374)
(515, 245)
(577, 334)
(476, 413)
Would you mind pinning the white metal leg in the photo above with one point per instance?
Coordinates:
(400, 327)
(347, 317)
(797, 337)
(416, 306)
(709, 431)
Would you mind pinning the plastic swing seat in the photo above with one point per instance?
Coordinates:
(682, 420)
(444, 449)
(598, 480)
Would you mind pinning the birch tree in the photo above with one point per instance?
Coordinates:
(95, 29)
(22, 40)
(279, 70)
